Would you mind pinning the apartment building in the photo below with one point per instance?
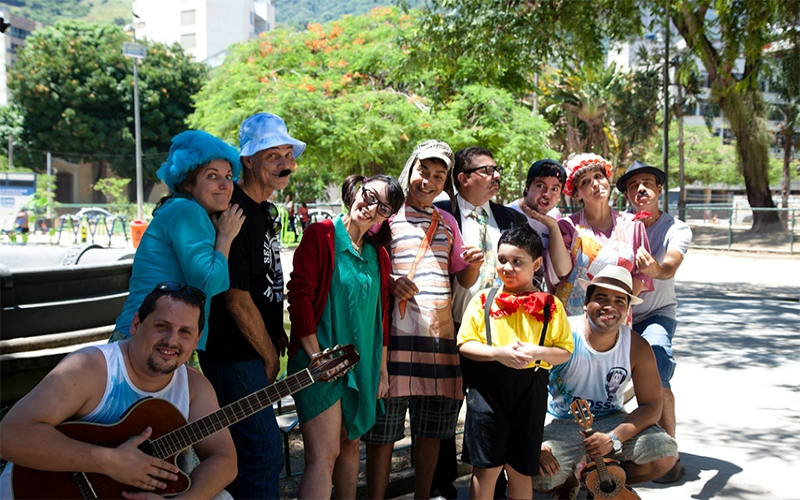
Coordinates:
(10, 42)
(204, 28)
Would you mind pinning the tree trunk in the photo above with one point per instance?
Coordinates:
(747, 117)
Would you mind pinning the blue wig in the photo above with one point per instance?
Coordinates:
(192, 149)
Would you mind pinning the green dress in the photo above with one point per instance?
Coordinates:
(352, 315)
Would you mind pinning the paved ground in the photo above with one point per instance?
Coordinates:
(737, 385)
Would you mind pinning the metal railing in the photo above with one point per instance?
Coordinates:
(726, 227)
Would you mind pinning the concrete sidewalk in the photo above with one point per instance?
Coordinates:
(737, 386)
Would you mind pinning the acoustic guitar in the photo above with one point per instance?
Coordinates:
(171, 433)
(605, 478)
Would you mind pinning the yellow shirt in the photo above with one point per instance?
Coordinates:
(518, 325)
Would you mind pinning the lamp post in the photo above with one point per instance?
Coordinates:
(136, 51)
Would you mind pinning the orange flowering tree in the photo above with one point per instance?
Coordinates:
(345, 89)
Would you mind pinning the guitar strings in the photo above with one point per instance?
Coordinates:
(180, 442)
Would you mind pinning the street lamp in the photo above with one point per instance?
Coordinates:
(136, 51)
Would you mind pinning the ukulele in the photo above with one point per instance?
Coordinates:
(605, 478)
(171, 433)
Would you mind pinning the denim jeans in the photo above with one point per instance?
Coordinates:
(658, 332)
(259, 448)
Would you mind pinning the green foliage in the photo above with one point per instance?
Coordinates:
(507, 40)
(45, 196)
(708, 160)
(75, 90)
(337, 88)
(115, 191)
(598, 108)
(49, 11)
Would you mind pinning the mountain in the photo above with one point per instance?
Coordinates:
(49, 11)
(299, 13)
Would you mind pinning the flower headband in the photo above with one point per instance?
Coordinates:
(569, 188)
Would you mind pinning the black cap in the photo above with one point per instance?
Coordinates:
(638, 167)
(555, 168)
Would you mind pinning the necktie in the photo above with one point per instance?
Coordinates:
(488, 271)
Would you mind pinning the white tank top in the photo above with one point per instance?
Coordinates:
(120, 393)
(597, 377)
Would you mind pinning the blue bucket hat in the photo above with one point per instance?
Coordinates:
(263, 131)
(192, 149)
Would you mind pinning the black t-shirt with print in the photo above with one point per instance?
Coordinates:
(254, 265)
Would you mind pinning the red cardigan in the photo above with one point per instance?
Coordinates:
(310, 282)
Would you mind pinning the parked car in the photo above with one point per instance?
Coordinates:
(319, 214)
(92, 213)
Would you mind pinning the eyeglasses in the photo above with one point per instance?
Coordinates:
(488, 170)
(273, 217)
(174, 286)
(371, 198)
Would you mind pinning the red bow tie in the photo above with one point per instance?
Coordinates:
(532, 303)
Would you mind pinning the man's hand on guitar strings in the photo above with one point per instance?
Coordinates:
(130, 465)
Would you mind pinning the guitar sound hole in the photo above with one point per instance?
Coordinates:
(607, 486)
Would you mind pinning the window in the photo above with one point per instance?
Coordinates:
(18, 32)
(188, 18)
(189, 41)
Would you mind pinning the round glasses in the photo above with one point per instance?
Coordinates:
(488, 170)
(371, 198)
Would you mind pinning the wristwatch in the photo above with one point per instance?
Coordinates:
(616, 444)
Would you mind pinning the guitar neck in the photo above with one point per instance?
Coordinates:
(178, 440)
(599, 462)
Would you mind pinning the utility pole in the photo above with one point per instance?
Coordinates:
(665, 139)
(10, 153)
(136, 51)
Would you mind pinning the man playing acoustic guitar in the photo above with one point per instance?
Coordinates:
(607, 354)
(97, 384)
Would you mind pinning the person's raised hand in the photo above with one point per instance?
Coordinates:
(472, 256)
(402, 288)
(545, 219)
(130, 465)
(646, 263)
(229, 221)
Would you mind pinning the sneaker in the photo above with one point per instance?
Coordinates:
(673, 475)
(567, 491)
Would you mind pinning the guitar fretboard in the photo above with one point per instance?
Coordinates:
(178, 440)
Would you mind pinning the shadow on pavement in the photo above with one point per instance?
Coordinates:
(694, 465)
(737, 326)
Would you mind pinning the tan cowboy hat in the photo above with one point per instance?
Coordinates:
(614, 278)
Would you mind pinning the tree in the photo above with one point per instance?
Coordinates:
(74, 89)
(338, 88)
(718, 39)
(516, 35)
(707, 161)
(785, 81)
(598, 108)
